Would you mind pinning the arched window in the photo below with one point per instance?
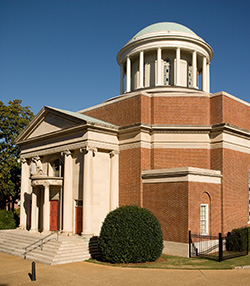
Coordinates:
(167, 72)
(190, 79)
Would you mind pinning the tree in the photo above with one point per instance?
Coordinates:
(13, 119)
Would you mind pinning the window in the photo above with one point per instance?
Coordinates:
(204, 218)
(56, 168)
(190, 79)
(167, 72)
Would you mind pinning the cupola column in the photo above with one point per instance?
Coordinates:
(204, 74)
(141, 68)
(158, 80)
(128, 89)
(194, 69)
(121, 79)
(178, 67)
(208, 77)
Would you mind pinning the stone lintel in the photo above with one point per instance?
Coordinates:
(183, 174)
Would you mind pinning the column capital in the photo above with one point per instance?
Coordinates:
(113, 153)
(87, 149)
(36, 158)
(22, 160)
(66, 152)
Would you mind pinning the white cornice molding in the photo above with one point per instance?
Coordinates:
(184, 174)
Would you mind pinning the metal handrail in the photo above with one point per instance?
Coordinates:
(41, 244)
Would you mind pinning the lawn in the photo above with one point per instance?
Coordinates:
(174, 262)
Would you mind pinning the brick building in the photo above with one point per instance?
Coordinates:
(165, 143)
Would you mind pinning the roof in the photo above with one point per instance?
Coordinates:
(164, 26)
(87, 118)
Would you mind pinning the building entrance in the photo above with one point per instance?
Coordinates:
(54, 215)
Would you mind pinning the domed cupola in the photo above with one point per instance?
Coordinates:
(165, 54)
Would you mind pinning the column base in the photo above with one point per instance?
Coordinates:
(22, 227)
(46, 232)
(66, 233)
(86, 237)
(34, 230)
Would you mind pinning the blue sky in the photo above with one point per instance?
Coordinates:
(62, 53)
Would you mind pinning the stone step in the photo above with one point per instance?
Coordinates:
(65, 250)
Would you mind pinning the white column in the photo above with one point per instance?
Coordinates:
(60, 208)
(46, 210)
(34, 217)
(25, 184)
(68, 194)
(121, 79)
(208, 77)
(178, 67)
(194, 69)
(87, 229)
(159, 81)
(128, 89)
(204, 74)
(141, 68)
(114, 180)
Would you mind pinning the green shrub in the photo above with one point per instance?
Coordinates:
(7, 220)
(130, 234)
(237, 239)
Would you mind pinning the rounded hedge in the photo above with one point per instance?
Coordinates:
(7, 220)
(130, 234)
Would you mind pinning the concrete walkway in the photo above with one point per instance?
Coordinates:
(14, 271)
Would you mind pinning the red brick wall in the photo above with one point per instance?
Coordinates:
(169, 203)
(216, 110)
(236, 113)
(131, 164)
(177, 207)
(235, 189)
(216, 159)
(124, 112)
(174, 158)
(129, 177)
(228, 110)
(204, 193)
(181, 110)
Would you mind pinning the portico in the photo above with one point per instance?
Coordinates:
(70, 187)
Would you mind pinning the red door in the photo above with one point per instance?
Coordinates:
(78, 220)
(54, 215)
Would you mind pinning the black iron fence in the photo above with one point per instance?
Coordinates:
(218, 247)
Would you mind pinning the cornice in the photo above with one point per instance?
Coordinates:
(83, 127)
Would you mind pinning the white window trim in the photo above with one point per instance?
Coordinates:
(207, 219)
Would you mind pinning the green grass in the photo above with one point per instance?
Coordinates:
(174, 262)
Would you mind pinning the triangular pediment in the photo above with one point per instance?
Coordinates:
(49, 121)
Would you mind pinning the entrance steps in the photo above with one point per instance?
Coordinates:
(66, 249)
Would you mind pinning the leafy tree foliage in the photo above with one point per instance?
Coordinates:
(13, 119)
(7, 220)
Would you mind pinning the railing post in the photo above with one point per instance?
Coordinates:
(33, 271)
(220, 248)
(189, 242)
